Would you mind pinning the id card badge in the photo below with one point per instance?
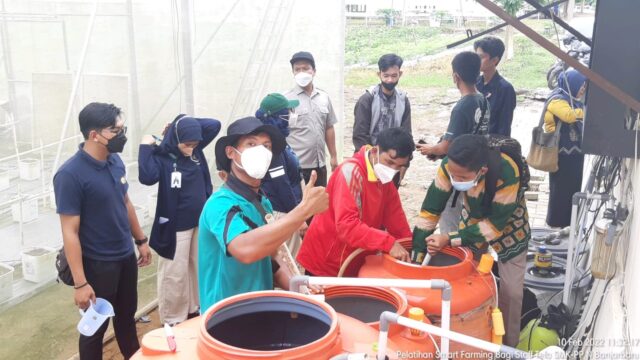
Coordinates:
(176, 180)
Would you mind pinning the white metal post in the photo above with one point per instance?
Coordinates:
(133, 74)
(187, 55)
(76, 84)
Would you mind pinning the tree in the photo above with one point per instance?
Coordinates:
(511, 7)
(389, 15)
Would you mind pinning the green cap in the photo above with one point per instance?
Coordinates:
(275, 102)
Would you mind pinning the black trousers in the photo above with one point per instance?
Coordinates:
(117, 282)
(562, 185)
(322, 175)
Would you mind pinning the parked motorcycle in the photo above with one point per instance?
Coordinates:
(577, 50)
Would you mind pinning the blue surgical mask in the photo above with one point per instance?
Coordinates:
(464, 185)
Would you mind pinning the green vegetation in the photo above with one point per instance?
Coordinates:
(412, 78)
(527, 69)
(365, 44)
(529, 66)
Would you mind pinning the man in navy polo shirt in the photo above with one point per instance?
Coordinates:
(499, 92)
(98, 221)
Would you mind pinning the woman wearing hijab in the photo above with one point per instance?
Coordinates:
(564, 108)
(281, 185)
(180, 168)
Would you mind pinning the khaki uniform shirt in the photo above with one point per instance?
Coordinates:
(307, 135)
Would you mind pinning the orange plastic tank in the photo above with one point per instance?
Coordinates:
(473, 293)
(269, 324)
(367, 303)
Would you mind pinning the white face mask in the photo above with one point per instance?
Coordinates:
(464, 185)
(384, 173)
(303, 78)
(292, 118)
(255, 161)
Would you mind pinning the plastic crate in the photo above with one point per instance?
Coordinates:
(29, 169)
(6, 282)
(29, 210)
(39, 264)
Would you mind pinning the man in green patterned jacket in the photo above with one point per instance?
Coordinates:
(504, 225)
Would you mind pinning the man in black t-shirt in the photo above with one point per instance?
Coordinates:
(470, 115)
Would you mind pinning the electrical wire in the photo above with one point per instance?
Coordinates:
(434, 343)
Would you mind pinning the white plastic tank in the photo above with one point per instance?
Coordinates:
(603, 255)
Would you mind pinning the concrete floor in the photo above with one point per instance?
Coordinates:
(39, 322)
(44, 326)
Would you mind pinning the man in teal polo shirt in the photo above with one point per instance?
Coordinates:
(237, 238)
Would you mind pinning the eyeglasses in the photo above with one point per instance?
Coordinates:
(116, 131)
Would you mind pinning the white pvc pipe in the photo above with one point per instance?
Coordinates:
(382, 344)
(427, 258)
(400, 283)
(450, 335)
(26, 152)
(445, 323)
(569, 270)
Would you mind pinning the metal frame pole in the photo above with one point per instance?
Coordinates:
(74, 90)
(492, 29)
(596, 78)
(187, 55)
(545, 10)
(133, 70)
(8, 63)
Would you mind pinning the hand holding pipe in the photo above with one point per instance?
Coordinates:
(427, 258)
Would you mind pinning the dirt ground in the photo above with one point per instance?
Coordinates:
(430, 110)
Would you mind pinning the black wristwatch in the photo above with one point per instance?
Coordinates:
(141, 241)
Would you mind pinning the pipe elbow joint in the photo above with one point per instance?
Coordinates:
(444, 286)
(387, 318)
(297, 282)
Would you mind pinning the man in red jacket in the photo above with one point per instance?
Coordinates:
(364, 207)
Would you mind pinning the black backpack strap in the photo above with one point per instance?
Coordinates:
(234, 185)
(456, 193)
(232, 212)
(482, 114)
(491, 181)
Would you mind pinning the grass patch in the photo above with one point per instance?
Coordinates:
(529, 66)
(434, 74)
(365, 44)
(527, 69)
